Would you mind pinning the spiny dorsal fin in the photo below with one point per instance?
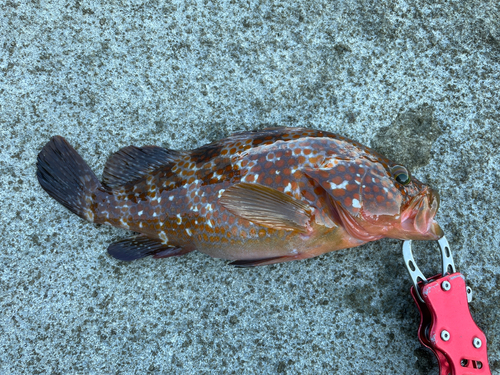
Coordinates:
(131, 163)
(267, 206)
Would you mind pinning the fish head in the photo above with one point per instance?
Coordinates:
(395, 204)
(372, 198)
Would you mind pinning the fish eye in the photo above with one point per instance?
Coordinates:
(401, 174)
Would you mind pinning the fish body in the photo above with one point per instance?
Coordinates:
(256, 198)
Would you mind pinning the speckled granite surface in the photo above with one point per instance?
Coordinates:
(417, 80)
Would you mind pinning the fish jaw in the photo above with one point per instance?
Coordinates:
(417, 220)
(414, 222)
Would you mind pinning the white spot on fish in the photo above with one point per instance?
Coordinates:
(159, 200)
(340, 186)
(171, 198)
(106, 213)
(188, 231)
(179, 219)
(140, 213)
(140, 224)
(221, 191)
(89, 215)
(209, 222)
(209, 207)
(355, 203)
(124, 224)
(163, 237)
(288, 188)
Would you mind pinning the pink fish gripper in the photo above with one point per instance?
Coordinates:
(446, 325)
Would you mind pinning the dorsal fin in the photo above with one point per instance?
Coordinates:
(131, 163)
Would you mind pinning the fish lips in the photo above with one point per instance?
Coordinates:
(416, 222)
(418, 218)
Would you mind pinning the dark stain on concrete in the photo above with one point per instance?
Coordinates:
(410, 138)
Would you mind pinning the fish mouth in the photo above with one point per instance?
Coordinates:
(416, 222)
(418, 218)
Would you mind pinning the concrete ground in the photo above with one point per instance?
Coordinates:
(417, 80)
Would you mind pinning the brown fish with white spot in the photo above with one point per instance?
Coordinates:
(256, 198)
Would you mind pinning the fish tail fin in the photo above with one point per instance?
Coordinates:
(65, 176)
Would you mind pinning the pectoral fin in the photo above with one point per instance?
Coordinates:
(267, 206)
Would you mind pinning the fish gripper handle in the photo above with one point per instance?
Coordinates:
(446, 324)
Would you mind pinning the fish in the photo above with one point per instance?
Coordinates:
(254, 198)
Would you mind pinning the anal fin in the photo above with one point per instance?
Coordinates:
(170, 252)
(141, 246)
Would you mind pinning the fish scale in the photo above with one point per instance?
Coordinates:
(258, 198)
